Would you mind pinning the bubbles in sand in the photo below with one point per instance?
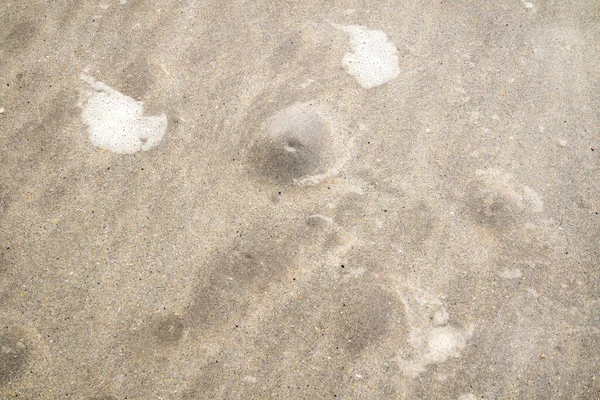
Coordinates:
(115, 122)
(374, 60)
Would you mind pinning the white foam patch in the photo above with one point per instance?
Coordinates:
(511, 273)
(374, 60)
(445, 342)
(433, 345)
(115, 122)
(432, 339)
(527, 4)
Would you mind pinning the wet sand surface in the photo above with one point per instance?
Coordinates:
(300, 200)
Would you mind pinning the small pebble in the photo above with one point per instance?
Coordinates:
(2, 110)
(543, 356)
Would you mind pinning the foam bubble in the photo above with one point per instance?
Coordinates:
(511, 273)
(432, 339)
(374, 60)
(445, 342)
(116, 122)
